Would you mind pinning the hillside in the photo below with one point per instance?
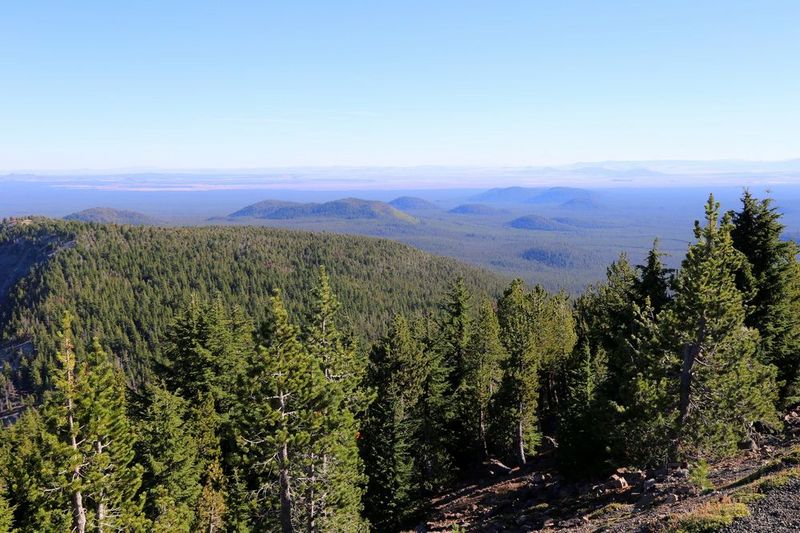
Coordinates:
(109, 215)
(507, 194)
(755, 491)
(125, 283)
(412, 203)
(476, 209)
(563, 196)
(537, 222)
(347, 208)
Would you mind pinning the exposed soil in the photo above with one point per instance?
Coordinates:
(535, 498)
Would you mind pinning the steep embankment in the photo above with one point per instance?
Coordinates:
(125, 283)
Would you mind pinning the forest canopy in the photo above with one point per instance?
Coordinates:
(358, 378)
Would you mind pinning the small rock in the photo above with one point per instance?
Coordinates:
(616, 482)
(649, 484)
(645, 501)
(681, 473)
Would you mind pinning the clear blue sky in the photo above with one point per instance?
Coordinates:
(189, 84)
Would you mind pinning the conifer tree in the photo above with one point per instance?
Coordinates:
(169, 453)
(433, 438)
(537, 331)
(485, 355)
(723, 388)
(520, 387)
(284, 387)
(111, 477)
(396, 374)
(456, 331)
(31, 467)
(654, 280)
(771, 282)
(335, 475)
(89, 440)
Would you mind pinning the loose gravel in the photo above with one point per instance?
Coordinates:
(778, 512)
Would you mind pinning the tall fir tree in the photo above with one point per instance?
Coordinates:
(722, 388)
(396, 373)
(537, 331)
(485, 355)
(654, 281)
(433, 438)
(285, 392)
(111, 476)
(335, 474)
(169, 452)
(771, 281)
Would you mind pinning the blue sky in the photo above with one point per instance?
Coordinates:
(171, 84)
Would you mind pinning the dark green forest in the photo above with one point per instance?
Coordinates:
(247, 379)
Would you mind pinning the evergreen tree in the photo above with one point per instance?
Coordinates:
(169, 452)
(771, 282)
(537, 331)
(111, 478)
(654, 281)
(448, 346)
(29, 467)
(485, 356)
(396, 374)
(433, 438)
(335, 475)
(284, 388)
(6, 515)
(723, 388)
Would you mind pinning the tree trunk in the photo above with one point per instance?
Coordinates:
(101, 506)
(482, 426)
(311, 526)
(690, 353)
(285, 481)
(77, 498)
(520, 435)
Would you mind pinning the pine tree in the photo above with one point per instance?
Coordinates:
(520, 387)
(335, 476)
(433, 438)
(111, 477)
(456, 331)
(485, 355)
(211, 508)
(537, 330)
(88, 440)
(6, 514)
(169, 453)
(723, 388)
(31, 467)
(396, 374)
(284, 387)
(654, 280)
(771, 282)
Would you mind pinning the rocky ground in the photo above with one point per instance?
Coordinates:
(777, 512)
(759, 490)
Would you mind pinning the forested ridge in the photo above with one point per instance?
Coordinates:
(124, 284)
(272, 413)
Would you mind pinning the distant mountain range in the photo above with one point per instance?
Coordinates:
(567, 197)
(347, 208)
(109, 215)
